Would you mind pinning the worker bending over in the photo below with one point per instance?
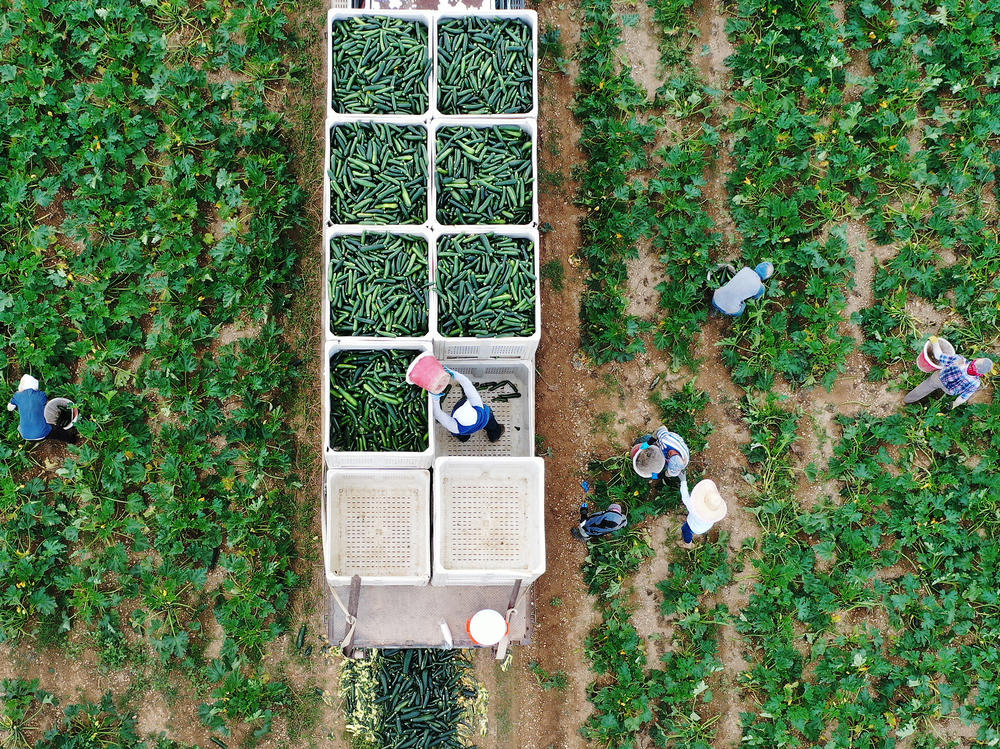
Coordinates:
(599, 523)
(469, 415)
(706, 507)
(675, 451)
(41, 418)
(730, 298)
(957, 376)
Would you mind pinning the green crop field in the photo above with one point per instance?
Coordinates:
(160, 236)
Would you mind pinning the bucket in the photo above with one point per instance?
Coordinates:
(487, 627)
(926, 361)
(648, 461)
(427, 372)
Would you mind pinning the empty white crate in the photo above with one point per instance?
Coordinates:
(489, 520)
(490, 348)
(382, 459)
(376, 524)
(517, 415)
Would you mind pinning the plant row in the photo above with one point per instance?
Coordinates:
(614, 141)
(148, 211)
(635, 701)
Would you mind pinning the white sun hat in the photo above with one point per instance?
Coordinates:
(707, 503)
(27, 383)
(466, 414)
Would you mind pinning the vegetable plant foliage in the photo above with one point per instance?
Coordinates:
(147, 208)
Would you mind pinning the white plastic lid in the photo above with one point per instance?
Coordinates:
(487, 627)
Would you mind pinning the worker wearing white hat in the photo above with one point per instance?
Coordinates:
(706, 507)
(469, 415)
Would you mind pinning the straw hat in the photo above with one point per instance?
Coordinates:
(707, 503)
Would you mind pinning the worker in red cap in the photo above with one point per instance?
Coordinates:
(957, 376)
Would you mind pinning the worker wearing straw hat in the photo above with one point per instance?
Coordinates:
(957, 376)
(706, 507)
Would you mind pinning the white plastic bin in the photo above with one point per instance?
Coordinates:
(388, 459)
(490, 348)
(416, 231)
(376, 524)
(424, 17)
(489, 520)
(517, 414)
(421, 122)
(528, 125)
(527, 16)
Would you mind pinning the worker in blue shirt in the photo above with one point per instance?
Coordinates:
(469, 415)
(957, 376)
(599, 523)
(41, 418)
(731, 298)
(29, 402)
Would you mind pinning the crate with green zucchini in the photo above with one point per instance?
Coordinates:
(486, 64)
(377, 173)
(486, 293)
(373, 418)
(485, 173)
(378, 284)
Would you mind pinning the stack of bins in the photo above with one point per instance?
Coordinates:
(363, 306)
(488, 498)
(377, 293)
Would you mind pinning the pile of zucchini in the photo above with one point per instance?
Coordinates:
(378, 285)
(483, 175)
(484, 66)
(485, 285)
(407, 698)
(372, 407)
(379, 65)
(378, 173)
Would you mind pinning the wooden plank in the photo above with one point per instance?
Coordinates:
(500, 651)
(352, 610)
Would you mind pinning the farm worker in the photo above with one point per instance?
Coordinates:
(469, 415)
(600, 523)
(29, 402)
(730, 298)
(957, 376)
(675, 450)
(706, 507)
(648, 449)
